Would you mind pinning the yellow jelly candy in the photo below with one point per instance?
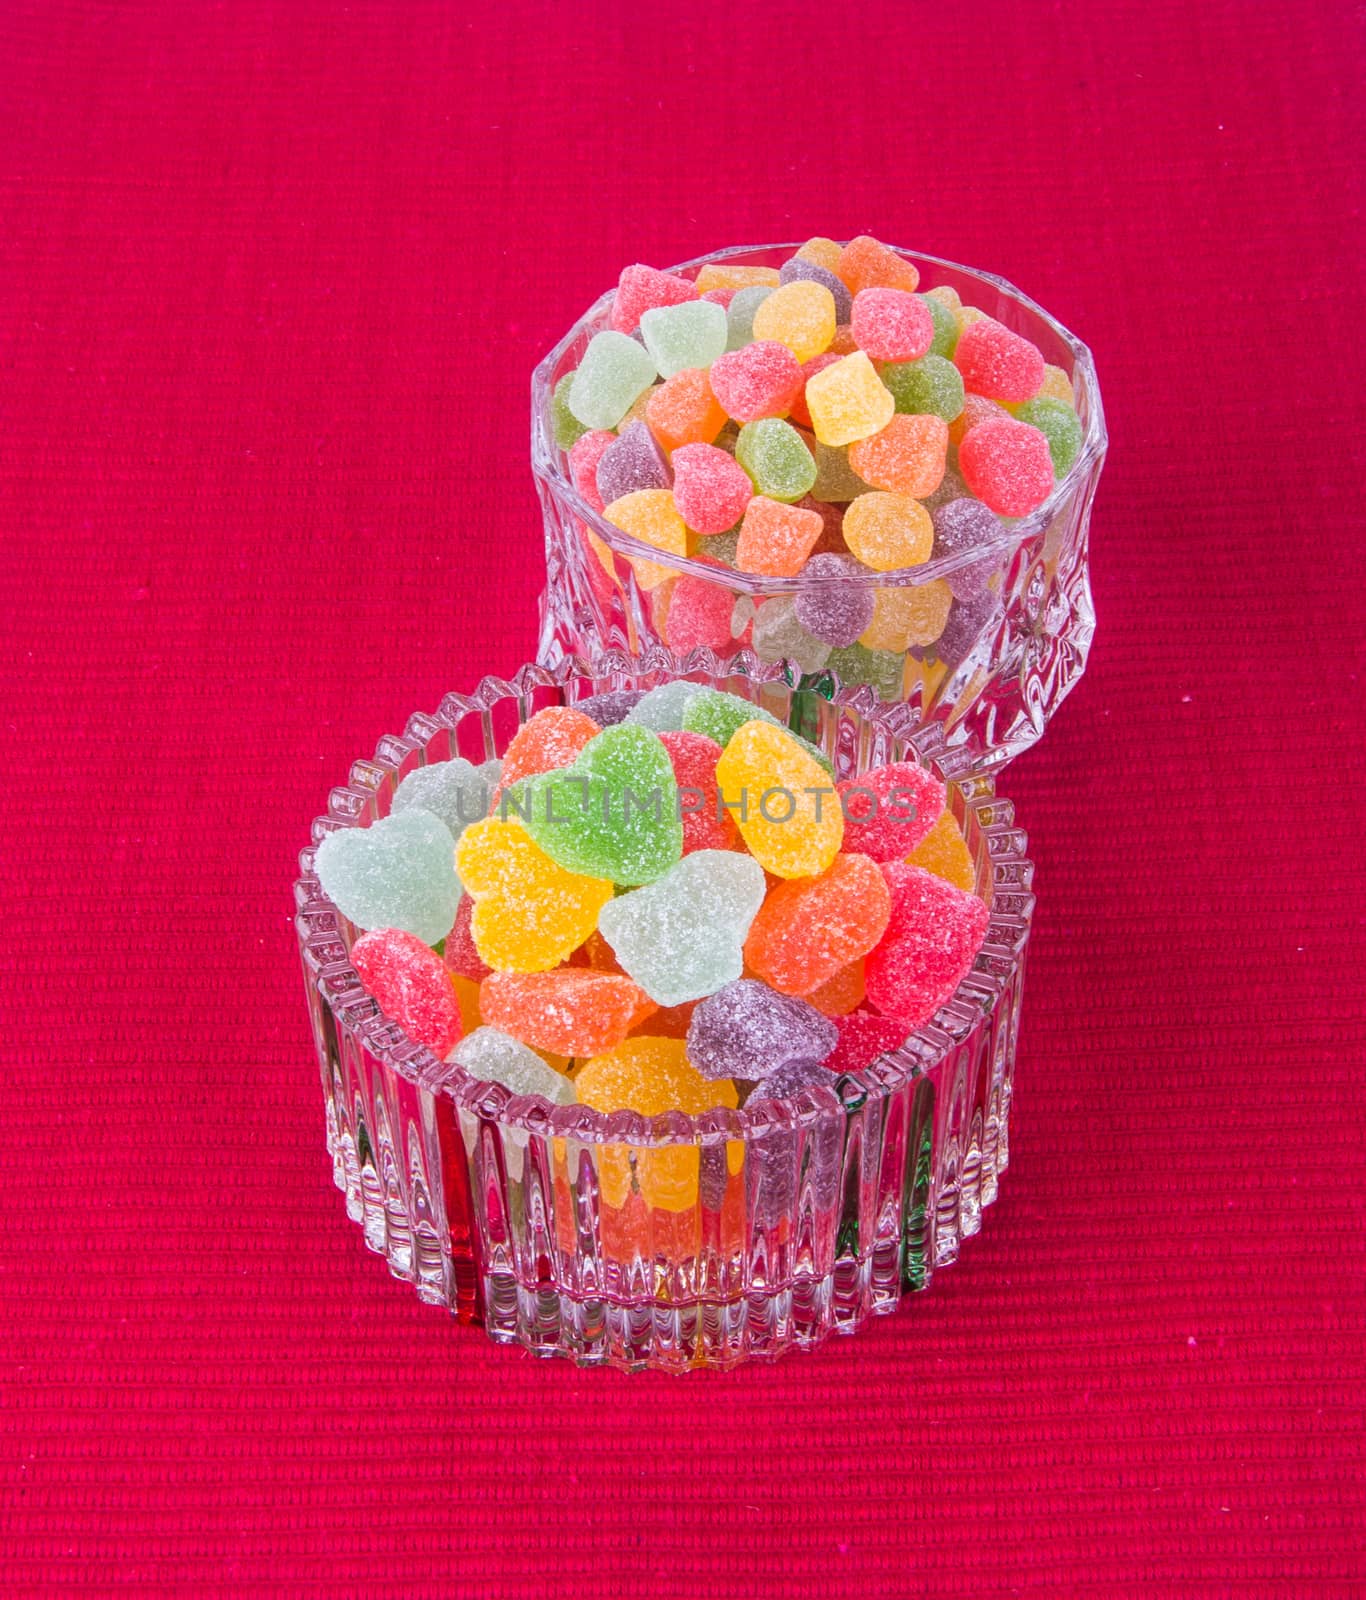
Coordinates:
(529, 913)
(651, 516)
(887, 531)
(944, 852)
(947, 296)
(636, 413)
(848, 401)
(824, 252)
(783, 801)
(800, 315)
(720, 275)
(903, 617)
(652, 1075)
(1056, 385)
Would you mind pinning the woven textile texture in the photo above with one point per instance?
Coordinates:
(273, 276)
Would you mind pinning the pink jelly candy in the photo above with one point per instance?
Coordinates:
(711, 489)
(460, 953)
(928, 949)
(584, 458)
(641, 289)
(996, 362)
(694, 758)
(863, 1038)
(889, 810)
(700, 612)
(1007, 465)
(891, 325)
(412, 985)
(760, 380)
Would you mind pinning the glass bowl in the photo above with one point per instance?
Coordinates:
(1004, 662)
(810, 1216)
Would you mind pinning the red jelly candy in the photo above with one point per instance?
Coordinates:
(761, 380)
(998, 363)
(583, 464)
(641, 289)
(1007, 465)
(891, 325)
(889, 810)
(694, 759)
(461, 953)
(700, 612)
(863, 1038)
(928, 949)
(711, 489)
(412, 985)
(572, 1011)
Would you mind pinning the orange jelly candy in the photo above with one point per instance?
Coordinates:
(808, 929)
(867, 264)
(683, 410)
(907, 456)
(573, 1011)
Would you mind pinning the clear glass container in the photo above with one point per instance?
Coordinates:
(809, 1217)
(1002, 666)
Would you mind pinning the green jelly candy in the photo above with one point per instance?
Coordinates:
(945, 340)
(1059, 424)
(740, 315)
(614, 812)
(662, 709)
(717, 714)
(397, 873)
(720, 547)
(836, 481)
(684, 336)
(614, 373)
(565, 427)
(931, 386)
(882, 670)
(778, 463)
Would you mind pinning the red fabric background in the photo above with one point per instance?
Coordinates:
(272, 280)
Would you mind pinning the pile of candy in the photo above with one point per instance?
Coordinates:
(659, 902)
(821, 420)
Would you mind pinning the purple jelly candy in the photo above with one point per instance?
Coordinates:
(967, 621)
(611, 707)
(799, 271)
(830, 604)
(747, 1030)
(781, 1161)
(632, 461)
(791, 1079)
(960, 526)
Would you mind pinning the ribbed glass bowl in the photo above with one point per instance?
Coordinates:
(998, 674)
(810, 1216)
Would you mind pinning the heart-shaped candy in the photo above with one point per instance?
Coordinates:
(397, 873)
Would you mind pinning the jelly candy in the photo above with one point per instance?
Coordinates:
(888, 531)
(865, 263)
(882, 671)
(721, 297)
(968, 620)
(613, 372)
(800, 412)
(529, 913)
(583, 464)
(692, 334)
(912, 615)
(779, 635)
(781, 799)
(455, 791)
(848, 401)
(412, 986)
(863, 1037)
(907, 456)
(711, 490)
(888, 810)
(613, 813)
(775, 539)
(467, 997)
(642, 289)
(930, 386)
(824, 252)
(748, 1031)
(841, 993)
(998, 363)
(892, 325)
(1007, 465)
(951, 487)
(836, 481)
(397, 873)
(663, 708)
(930, 945)
(800, 315)
(632, 461)
(761, 380)
(693, 757)
(700, 613)
(945, 325)
(1059, 424)
(724, 275)
(831, 605)
(976, 409)
(650, 516)
(496, 1057)
(680, 938)
(831, 541)
(565, 427)
(778, 463)
(718, 715)
(785, 1083)
(740, 315)
(610, 707)
(460, 953)
(551, 738)
(809, 929)
(799, 269)
(944, 852)
(573, 1011)
(1056, 385)
(684, 410)
(722, 546)
(964, 525)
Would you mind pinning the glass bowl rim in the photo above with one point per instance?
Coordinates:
(548, 469)
(340, 988)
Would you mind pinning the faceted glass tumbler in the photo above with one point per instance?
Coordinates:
(808, 1216)
(1000, 669)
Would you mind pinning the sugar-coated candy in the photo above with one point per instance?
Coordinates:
(1007, 465)
(638, 410)
(456, 791)
(976, 409)
(495, 1057)
(930, 386)
(968, 621)
(866, 263)
(800, 412)
(880, 670)
(888, 810)
(787, 1082)
(748, 1030)
(1059, 424)
(728, 275)
(945, 339)
(459, 952)
(662, 708)
(700, 612)
(1056, 385)
(721, 546)
(650, 516)
(808, 929)
(615, 369)
(711, 489)
(824, 252)
(847, 402)
(681, 937)
(565, 427)
(831, 541)
(831, 605)
(467, 997)
(583, 464)
(632, 461)
(551, 737)
(411, 984)
(779, 635)
(948, 297)
(719, 715)
(914, 614)
(928, 949)
(998, 363)
(761, 380)
(692, 334)
(959, 527)
(944, 852)
(906, 457)
(800, 315)
(740, 314)
(693, 757)
(683, 410)
(836, 481)
(573, 1011)
(841, 993)
(397, 873)
(614, 812)
(951, 487)
(529, 913)
(888, 531)
(610, 707)
(781, 799)
(776, 538)
(799, 269)
(778, 463)
(891, 325)
(863, 1037)
(641, 289)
